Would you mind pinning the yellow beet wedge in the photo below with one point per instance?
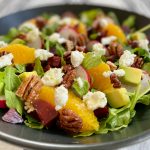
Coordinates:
(90, 122)
(22, 54)
(100, 82)
(115, 30)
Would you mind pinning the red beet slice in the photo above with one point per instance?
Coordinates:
(101, 113)
(45, 111)
(3, 104)
(12, 117)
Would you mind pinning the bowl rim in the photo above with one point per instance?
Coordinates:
(43, 145)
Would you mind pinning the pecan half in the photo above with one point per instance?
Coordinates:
(67, 68)
(115, 81)
(69, 78)
(111, 65)
(70, 121)
(138, 62)
(82, 40)
(29, 91)
(115, 50)
(40, 22)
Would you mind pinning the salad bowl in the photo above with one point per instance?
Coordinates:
(137, 131)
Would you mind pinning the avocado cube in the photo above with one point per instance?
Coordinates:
(132, 75)
(27, 74)
(117, 97)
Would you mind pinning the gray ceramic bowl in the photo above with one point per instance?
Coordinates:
(138, 130)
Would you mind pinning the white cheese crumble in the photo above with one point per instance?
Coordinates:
(98, 48)
(108, 40)
(126, 59)
(143, 43)
(53, 77)
(76, 58)
(65, 21)
(61, 97)
(80, 82)
(31, 31)
(3, 44)
(95, 100)
(6, 60)
(53, 19)
(118, 72)
(56, 37)
(107, 74)
(43, 54)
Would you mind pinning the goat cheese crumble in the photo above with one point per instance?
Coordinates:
(143, 43)
(6, 60)
(95, 100)
(53, 19)
(99, 49)
(43, 54)
(76, 58)
(53, 77)
(118, 72)
(108, 40)
(61, 97)
(55, 37)
(126, 59)
(3, 44)
(31, 31)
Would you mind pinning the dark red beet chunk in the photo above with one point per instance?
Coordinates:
(12, 117)
(101, 113)
(46, 112)
(3, 104)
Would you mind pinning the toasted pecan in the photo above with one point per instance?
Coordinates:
(70, 121)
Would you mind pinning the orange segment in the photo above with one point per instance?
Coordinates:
(99, 81)
(89, 120)
(82, 28)
(22, 54)
(115, 30)
(47, 94)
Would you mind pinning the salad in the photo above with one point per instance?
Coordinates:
(81, 74)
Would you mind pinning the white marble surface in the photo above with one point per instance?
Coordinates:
(139, 6)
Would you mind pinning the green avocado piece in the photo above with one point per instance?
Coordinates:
(132, 75)
(117, 97)
(27, 74)
(18, 41)
(138, 36)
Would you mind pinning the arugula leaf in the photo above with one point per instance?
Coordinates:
(20, 68)
(38, 67)
(118, 118)
(32, 123)
(60, 50)
(80, 91)
(146, 67)
(114, 17)
(91, 60)
(130, 21)
(145, 99)
(12, 101)
(88, 16)
(143, 53)
(49, 29)
(11, 80)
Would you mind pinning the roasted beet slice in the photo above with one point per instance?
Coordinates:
(101, 113)
(45, 111)
(12, 117)
(3, 104)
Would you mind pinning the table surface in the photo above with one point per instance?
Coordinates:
(139, 6)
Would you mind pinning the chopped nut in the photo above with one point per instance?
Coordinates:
(115, 50)
(28, 91)
(82, 40)
(138, 62)
(69, 78)
(112, 65)
(22, 88)
(69, 121)
(67, 68)
(40, 22)
(115, 81)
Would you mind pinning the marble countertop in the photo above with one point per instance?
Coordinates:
(139, 6)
